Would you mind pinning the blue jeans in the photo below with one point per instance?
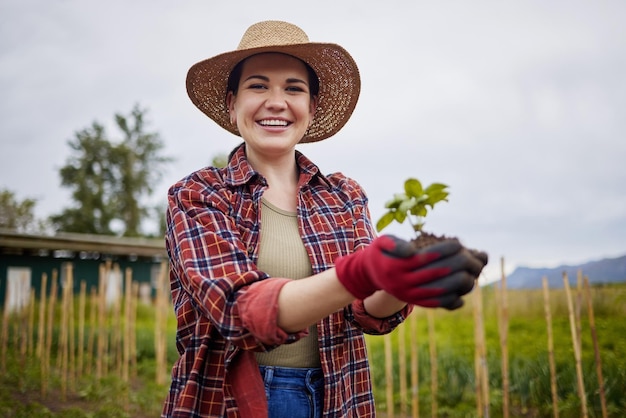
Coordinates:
(293, 393)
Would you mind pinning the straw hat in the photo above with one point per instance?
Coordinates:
(338, 74)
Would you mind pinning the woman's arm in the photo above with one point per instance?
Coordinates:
(304, 302)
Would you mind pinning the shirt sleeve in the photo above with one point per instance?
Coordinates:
(210, 268)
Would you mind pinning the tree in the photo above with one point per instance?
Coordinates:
(111, 180)
(220, 160)
(17, 215)
(88, 172)
(137, 161)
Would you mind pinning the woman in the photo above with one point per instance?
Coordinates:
(275, 270)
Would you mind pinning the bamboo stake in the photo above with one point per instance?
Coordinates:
(47, 352)
(93, 327)
(389, 375)
(27, 314)
(596, 348)
(116, 340)
(482, 375)
(72, 329)
(16, 322)
(67, 332)
(414, 367)
(503, 324)
(402, 369)
(477, 360)
(578, 308)
(82, 301)
(62, 358)
(5, 329)
(42, 318)
(432, 345)
(62, 331)
(30, 334)
(23, 332)
(102, 333)
(160, 338)
(553, 382)
(128, 303)
(133, 332)
(577, 350)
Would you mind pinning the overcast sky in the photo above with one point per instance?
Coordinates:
(520, 106)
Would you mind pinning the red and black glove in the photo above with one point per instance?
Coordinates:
(435, 276)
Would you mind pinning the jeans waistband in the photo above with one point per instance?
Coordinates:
(306, 375)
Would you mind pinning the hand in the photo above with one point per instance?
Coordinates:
(449, 290)
(437, 275)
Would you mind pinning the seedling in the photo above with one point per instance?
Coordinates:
(413, 204)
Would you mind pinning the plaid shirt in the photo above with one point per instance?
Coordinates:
(226, 308)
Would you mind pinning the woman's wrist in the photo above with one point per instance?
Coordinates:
(383, 305)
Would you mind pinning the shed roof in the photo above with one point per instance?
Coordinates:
(142, 247)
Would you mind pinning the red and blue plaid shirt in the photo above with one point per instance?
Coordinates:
(226, 308)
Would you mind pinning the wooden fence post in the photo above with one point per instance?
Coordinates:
(414, 366)
(128, 303)
(82, 302)
(577, 348)
(432, 344)
(553, 383)
(480, 357)
(161, 318)
(389, 375)
(45, 373)
(402, 368)
(42, 317)
(596, 348)
(503, 325)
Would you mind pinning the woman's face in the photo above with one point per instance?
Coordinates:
(273, 106)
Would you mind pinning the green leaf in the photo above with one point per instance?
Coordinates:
(385, 220)
(398, 198)
(415, 203)
(400, 216)
(435, 187)
(413, 188)
(436, 197)
(407, 205)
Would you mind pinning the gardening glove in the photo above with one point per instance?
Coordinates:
(437, 275)
(448, 291)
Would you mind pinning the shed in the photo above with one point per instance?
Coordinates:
(24, 258)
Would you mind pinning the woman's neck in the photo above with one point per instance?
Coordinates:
(282, 178)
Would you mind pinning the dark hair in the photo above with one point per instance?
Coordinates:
(235, 76)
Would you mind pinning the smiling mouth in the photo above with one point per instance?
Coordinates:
(273, 122)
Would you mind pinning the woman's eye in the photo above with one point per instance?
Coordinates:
(256, 86)
(295, 89)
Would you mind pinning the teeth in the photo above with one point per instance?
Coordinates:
(273, 122)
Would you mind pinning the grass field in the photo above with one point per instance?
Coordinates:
(529, 373)
(455, 394)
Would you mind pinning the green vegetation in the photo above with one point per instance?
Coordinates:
(413, 204)
(88, 397)
(530, 395)
(111, 177)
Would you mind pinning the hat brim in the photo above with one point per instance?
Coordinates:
(338, 74)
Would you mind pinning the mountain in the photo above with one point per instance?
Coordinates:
(608, 270)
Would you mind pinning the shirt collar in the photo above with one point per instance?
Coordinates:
(239, 171)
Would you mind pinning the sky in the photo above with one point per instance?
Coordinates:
(519, 106)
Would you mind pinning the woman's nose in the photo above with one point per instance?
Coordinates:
(276, 99)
